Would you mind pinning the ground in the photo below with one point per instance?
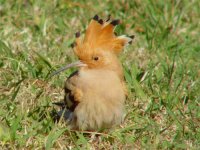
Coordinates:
(161, 67)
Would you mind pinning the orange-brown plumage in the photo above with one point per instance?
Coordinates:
(96, 92)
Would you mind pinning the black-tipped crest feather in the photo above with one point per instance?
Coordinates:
(77, 34)
(115, 22)
(108, 19)
(132, 36)
(100, 21)
(96, 17)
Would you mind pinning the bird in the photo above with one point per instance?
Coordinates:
(95, 93)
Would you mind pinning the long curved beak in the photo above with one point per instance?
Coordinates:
(75, 64)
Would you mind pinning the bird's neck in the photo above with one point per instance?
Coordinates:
(116, 68)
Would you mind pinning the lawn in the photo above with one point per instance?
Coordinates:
(161, 67)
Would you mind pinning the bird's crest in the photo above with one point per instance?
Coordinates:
(100, 35)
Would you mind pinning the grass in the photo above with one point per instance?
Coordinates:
(162, 70)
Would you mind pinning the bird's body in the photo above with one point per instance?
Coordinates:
(100, 99)
(95, 94)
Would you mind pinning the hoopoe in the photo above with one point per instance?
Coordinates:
(96, 92)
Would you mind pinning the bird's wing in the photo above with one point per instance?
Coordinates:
(69, 99)
(68, 104)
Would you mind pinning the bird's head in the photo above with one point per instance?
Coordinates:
(100, 46)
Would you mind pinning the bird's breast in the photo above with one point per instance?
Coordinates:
(102, 83)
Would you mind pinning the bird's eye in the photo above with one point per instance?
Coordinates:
(96, 58)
